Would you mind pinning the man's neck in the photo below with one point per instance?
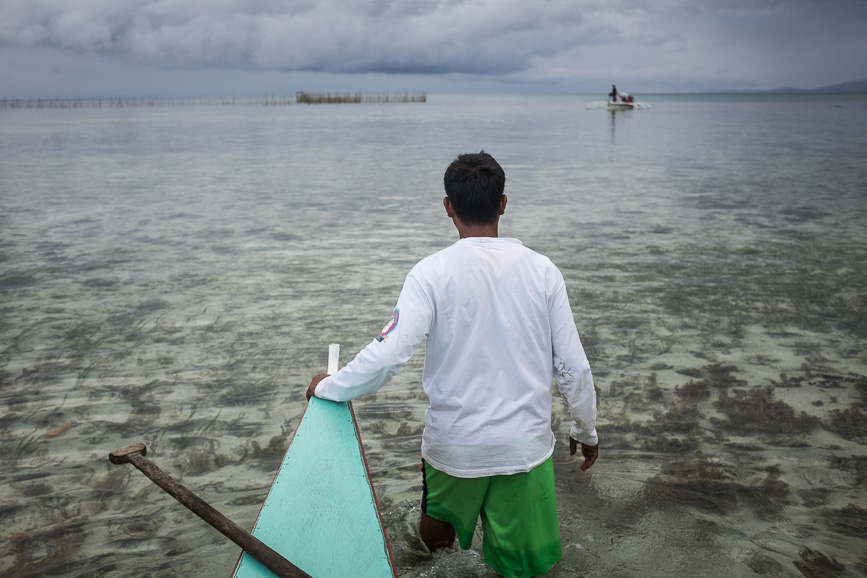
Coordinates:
(477, 230)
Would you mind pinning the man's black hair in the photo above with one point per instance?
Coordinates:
(474, 184)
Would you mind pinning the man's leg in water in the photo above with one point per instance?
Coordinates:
(436, 534)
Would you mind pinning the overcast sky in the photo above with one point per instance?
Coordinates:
(72, 48)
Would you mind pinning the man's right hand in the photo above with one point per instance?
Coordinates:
(311, 389)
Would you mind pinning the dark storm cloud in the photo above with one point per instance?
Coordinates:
(330, 36)
(663, 44)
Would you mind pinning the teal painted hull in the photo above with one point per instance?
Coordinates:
(321, 511)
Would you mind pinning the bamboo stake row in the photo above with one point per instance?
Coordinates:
(264, 100)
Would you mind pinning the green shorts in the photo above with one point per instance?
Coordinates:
(520, 530)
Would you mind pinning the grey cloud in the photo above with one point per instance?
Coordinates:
(659, 43)
(328, 36)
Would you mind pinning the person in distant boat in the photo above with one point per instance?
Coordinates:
(499, 330)
(613, 94)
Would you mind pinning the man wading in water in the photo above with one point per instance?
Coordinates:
(499, 327)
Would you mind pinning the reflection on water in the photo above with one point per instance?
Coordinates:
(175, 276)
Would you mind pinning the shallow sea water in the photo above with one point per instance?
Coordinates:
(174, 276)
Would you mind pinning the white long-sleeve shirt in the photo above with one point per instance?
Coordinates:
(499, 327)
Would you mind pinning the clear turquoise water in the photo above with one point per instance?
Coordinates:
(174, 276)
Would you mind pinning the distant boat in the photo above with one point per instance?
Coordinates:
(619, 101)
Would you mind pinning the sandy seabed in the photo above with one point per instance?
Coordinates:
(731, 414)
(724, 315)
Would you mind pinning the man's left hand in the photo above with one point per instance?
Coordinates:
(590, 453)
(311, 389)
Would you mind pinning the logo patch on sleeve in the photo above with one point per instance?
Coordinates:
(389, 327)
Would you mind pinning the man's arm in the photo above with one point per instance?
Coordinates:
(376, 364)
(573, 375)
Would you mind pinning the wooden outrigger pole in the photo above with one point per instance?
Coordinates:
(279, 565)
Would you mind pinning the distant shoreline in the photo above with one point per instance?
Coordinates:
(844, 88)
